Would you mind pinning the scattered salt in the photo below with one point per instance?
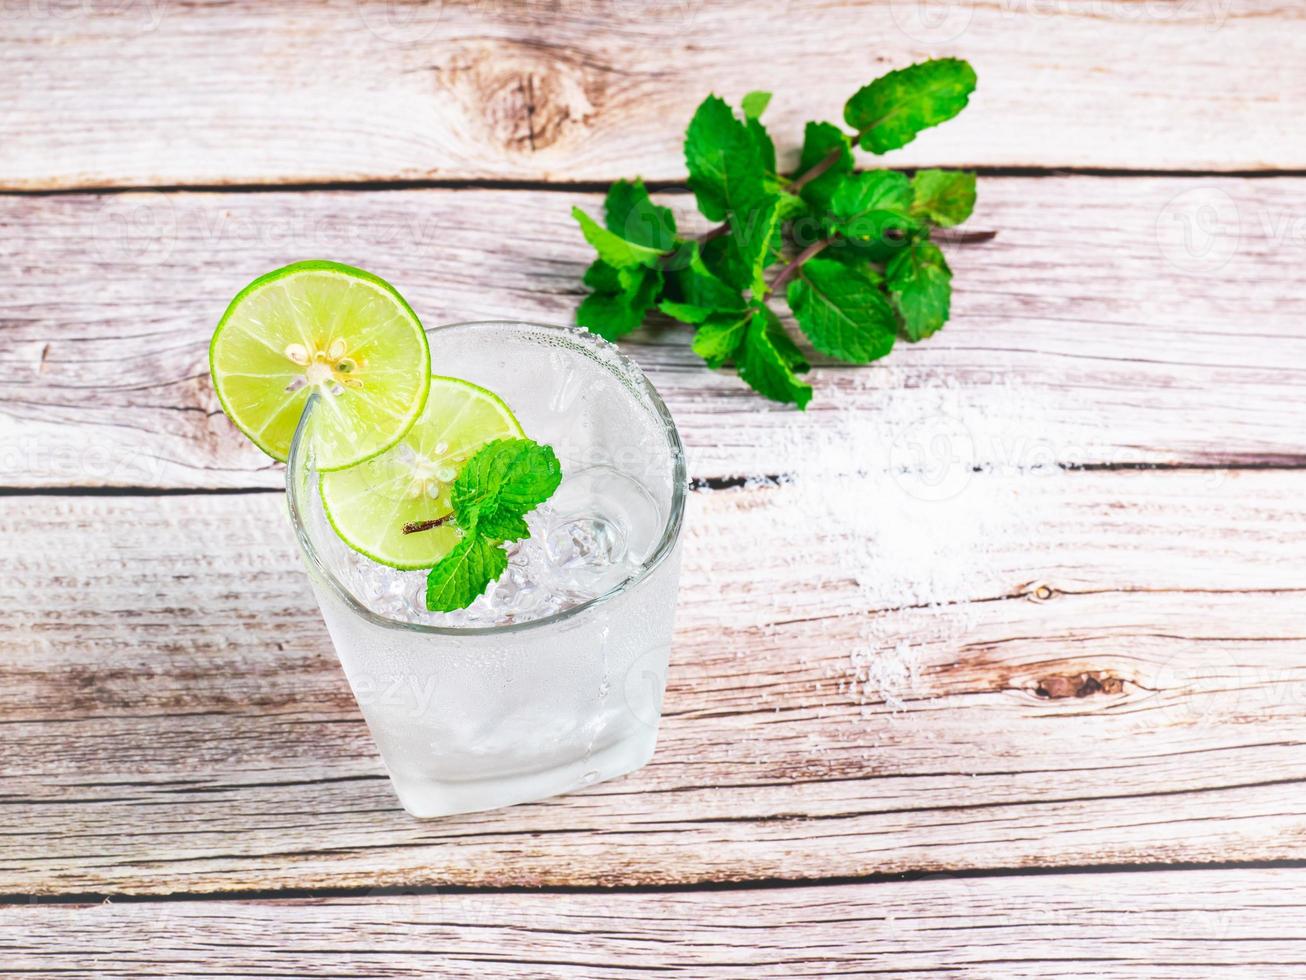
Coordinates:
(915, 502)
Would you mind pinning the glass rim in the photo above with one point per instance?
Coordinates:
(666, 543)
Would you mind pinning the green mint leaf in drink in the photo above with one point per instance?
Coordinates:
(613, 248)
(719, 336)
(633, 216)
(491, 496)
(503, 482)
(893, 109)
(944, 197)
(462, 575)
(920, 284)
(755, 103)
(843, 311)
(621, 299)
(822, 140)
(769, 361)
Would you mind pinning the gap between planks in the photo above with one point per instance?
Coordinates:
(696, 485)
(667, 187)
(1167, 924)
(621, 889)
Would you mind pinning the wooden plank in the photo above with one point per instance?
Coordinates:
(1106, 668)
(1086, 333)
(1155, 925)
(161, 93)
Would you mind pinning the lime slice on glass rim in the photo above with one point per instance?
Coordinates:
(370, 504)
(328, 328)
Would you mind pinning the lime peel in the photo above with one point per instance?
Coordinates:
(324, 327)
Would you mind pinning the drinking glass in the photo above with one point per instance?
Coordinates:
(554, 680)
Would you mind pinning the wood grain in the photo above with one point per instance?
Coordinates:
(1112, 674)
(157, 92)
(1091, 331)
(1155, 925)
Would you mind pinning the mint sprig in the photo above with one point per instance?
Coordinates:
(856, 263)
(491, 496)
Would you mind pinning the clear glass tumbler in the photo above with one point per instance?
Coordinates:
(472, 717)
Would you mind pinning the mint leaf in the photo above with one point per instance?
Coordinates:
(498, 486)
(920, 284)
(695, 293)
(790, 206)
(696, 285)
(611, 314)
(740, 258)
(873, 190)
(719, 337)
(842, 311)
(633, 216)
(871, 211)
(842, 251)
(721, 262)
(945, 197)
(820, 140)
(685, 312)
(725, 171)
(612, 248)
(764, 148)
(752, 232)
(696, 314)
(769, 361)
(755, 103)
(893, 109)
(462, 575)
(779, 338)
(491, 495)
(728, 170)
(603, 277)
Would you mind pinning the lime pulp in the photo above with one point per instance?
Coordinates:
(329, 328)
(369, 505)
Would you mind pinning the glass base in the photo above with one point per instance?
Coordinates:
(431, 798)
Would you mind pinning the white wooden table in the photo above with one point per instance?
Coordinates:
(1035, 706)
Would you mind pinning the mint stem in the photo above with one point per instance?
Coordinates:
(813, 172)
(717, 232)
(791, 270)
(964, 237)
(416, 526)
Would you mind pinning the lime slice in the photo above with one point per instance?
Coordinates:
(328, 328)
(369, 505)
